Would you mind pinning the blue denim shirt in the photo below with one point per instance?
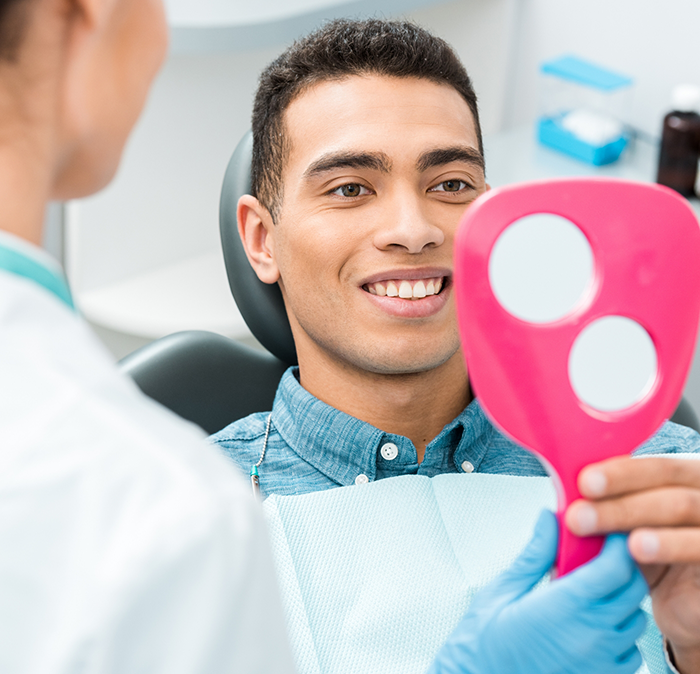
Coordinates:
(312, 446)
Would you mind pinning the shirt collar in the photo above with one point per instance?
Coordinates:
(342, 447)
(17, 256)
(477, 432)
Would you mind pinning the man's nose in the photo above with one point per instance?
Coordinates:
(406, 225)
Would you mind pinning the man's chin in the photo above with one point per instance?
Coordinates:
(393, 364)
(380, 356)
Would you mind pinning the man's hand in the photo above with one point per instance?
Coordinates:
(656, 499)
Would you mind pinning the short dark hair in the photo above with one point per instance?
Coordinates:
(340, 49)
(14, 15)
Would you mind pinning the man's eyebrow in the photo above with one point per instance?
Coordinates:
(377, 161)
(447, 155)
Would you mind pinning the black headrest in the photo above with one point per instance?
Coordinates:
(260, 304)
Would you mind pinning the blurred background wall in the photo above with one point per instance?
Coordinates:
(654, 41)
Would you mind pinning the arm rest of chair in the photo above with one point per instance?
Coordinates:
(205, 378)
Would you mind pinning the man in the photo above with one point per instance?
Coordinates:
(367, 150)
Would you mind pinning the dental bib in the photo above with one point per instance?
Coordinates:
(375, 577)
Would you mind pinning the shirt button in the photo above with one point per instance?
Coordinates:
(467, 466)
(389, 451)
(361, 479)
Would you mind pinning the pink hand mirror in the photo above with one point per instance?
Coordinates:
(578, 304)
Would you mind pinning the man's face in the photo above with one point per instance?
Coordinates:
(380, 171)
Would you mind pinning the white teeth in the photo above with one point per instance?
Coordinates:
(419, 290)
(405, 290)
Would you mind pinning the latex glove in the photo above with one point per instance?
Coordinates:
(586, 622)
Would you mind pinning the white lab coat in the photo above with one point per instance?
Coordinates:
(127, 544)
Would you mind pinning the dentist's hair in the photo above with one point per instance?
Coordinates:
(14, 15)
(340, 49)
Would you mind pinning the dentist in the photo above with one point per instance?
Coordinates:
(126, 544)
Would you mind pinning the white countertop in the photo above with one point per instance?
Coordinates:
(188, 295)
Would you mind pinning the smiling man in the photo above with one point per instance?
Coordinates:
(367, 150)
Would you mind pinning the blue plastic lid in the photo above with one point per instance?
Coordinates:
(582, 72)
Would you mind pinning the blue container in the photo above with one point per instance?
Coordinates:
(551, 133)
(583, 110)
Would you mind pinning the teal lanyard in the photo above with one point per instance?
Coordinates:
(17, 263)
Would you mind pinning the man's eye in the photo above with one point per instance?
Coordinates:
(350, 190)
(450, 186)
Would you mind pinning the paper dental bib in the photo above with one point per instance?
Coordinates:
(374, 578)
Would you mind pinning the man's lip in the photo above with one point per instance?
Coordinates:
(407, 275)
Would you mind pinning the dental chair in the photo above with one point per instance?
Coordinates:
(212, 380)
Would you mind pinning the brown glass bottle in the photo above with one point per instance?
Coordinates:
(680, 152)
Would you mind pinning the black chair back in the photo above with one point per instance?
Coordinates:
(260, 304)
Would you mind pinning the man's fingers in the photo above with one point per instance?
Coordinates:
(624, 475)
(660, 507)
(665, 546)
(654, 573)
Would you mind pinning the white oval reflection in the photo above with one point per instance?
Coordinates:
(541, 267)
(612, 364)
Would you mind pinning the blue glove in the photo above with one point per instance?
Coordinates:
(586, 622)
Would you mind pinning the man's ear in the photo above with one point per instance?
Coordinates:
(256, 229)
